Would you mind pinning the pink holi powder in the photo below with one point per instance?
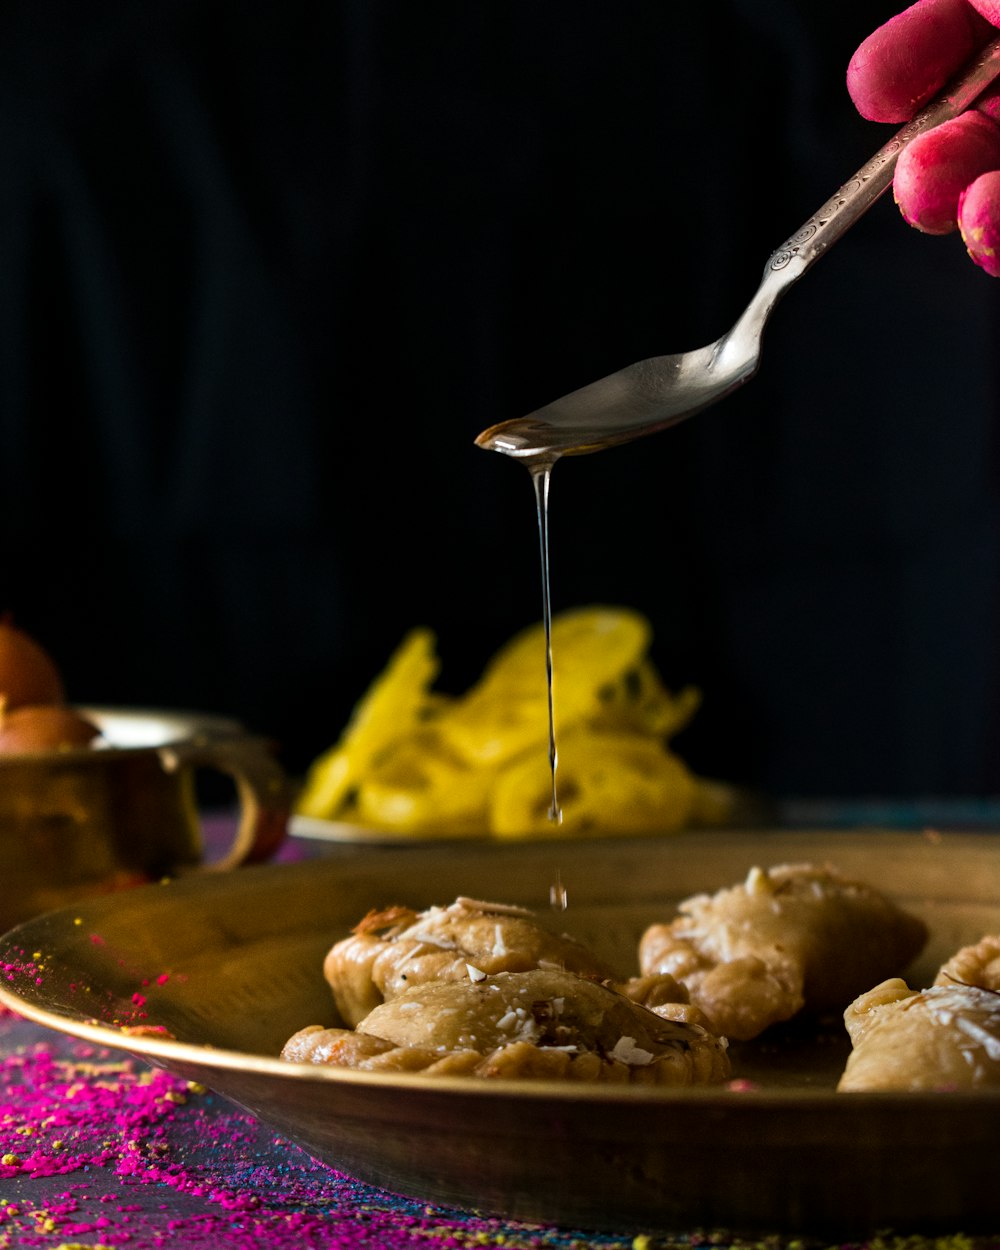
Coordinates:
(119, 1011)
(139, 1158)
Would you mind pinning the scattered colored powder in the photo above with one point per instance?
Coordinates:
(742, 1086)
(97, 1149)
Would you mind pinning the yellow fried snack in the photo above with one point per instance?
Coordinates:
(393, 705)
(506, 712)
(638, 702)
(413, 761)
(422, 784)
(648, 789)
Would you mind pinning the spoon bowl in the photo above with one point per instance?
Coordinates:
(653, 394)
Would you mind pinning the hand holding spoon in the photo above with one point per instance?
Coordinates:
(653, 394)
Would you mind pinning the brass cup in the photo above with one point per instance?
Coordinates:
(89, 820)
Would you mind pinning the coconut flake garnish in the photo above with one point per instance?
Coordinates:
(500, 909)
(626, 1051)
(758, 881)
(982, 1036)
(475, 974)
(430, 939)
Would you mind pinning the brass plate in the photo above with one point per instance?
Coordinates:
(231, 966)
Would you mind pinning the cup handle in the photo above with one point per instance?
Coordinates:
(262, 788)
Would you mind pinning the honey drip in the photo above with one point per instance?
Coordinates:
(541, 474)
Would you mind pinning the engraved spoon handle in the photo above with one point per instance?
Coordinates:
(857, 195)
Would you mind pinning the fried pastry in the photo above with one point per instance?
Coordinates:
(943, 1038)
(790, 937)
(545, 1023)
(394, 950)
(974, 965)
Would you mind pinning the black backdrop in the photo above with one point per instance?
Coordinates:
(267, 268)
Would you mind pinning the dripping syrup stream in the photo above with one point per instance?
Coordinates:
(541, 473)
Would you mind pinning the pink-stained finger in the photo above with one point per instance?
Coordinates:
(938, 165)
(979, 221)
(989, 103)
(900, 66)
(990, 9)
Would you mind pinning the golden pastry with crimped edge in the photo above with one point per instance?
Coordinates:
(790, 937)
(546, 1023)
(978, 964)
(395, 949)
(940, 1039)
